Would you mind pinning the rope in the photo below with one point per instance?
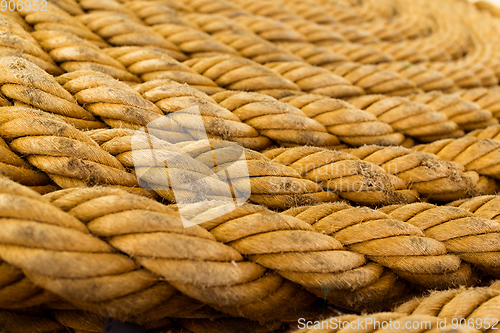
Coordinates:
(410, 118)
(120, 29)
(16, 41)
(339, 172)
(473, 153)
(469, 237)
(487, 99)
(466, 114)
(55, 18)
(218, 121)
(156, 64)
(388, 242)
(353, 126)
(282, 123)
(424, 78)
(235, 73)
(485, 206)
(425, 173)
(466, 303)
(28, 85)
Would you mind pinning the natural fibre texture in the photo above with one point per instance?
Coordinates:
(215, 166)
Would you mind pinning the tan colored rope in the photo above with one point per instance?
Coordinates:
(272, 184)
(21, 322)
(74, 54)
(104, 280)
(218, 121)
(353, 126)
(410, 118)
(56, 19)
(486, 206)
(343, 173)
(282, 123)
(16, 41)
(389, 242)
(471, 238)
(68, 156)
(315, 55)
(426, 173)
(376, 81)
(490, 132)
(424, 78)
(281, 242)
(316, 80)
(487, 99)
(242, 74)
(466, 114)
(468, 303)
(16, 290)
(467, 75)
(155, 64)
(480, 155)
(28, 85)
(123, 30)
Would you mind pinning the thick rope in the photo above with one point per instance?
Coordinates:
(487, 99)
(218, 121)
(396, 245)
(485, 206)
(410, 118)
(467, 303)
(339, 172)
(57, 19)
(353, 126)
(471, 238)
(236, 73)
(16, 41)
(28, 85)
(156, 64)
(282, 123)
(480, 155)
(466, 114)
(427, 174)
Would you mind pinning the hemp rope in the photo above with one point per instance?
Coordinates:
(490, 132)
(410, 118)
(282, 123)
(466, 114)
(218, 121)
(188, 38)
(371, 79)
(471, 238)
(68, 156)
(123, 30)
(480, 155)
(467, 303)
(16, 168)
(56, 19)
(28, 85)
(272, 184)
(339, 172)
(487, 99)
(16, 41)
(401, 52)
(396, 245)
(274, 241)
(315, 80)
(236, 73)
(467, 75)
(16, 290)
(353, 126)
(424, 78)
(74, 54)
(156, 64)
(106, 281)
(315, 55)
(485, 206)
(426, 173)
